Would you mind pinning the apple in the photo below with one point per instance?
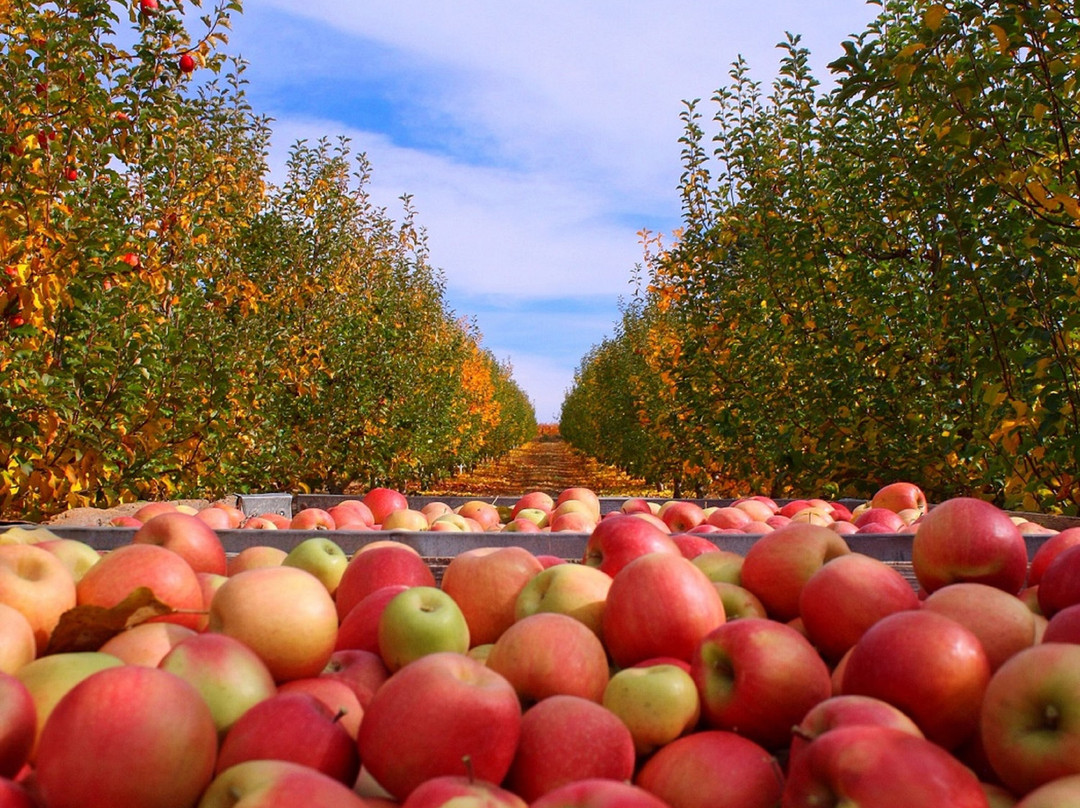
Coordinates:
(360, 628)
(1002, 622)
(215, 518)
(681, 515)
(146, 643)
(262, 523)
(778, 565)
(620, 539)
(572, 522)
(580, 494)
(575, 590)
(759, 677)
(900, 496)
(450, 521)
(433, 510)
(236, 515)
(18, 645)
(450, 791)
(421, 620)
(277, 784)
(15, 794)
(1049, 550)
(967, 539)
(189, 537)
(49, 678)
(296, 727)
(565, 739)
(254, 557)
(728, 517)
(844, 711)
(383, 501)
(537, 500)
(1064, 626)
(537, 516)
(720, 565)
(814, 515)
(351, 515)
(444, 714)
(485, 583)
(1058, 586)
(713, 768)
(486, 514)
(228, 675)
(164, 572)
(888, 521)
(373, 568)
(152, 736)
(151, 509)
(738, 601)
(338, 696)
(658, 703)
(926, 664)
(659, 605)
(1030, 719)
(523, 525)
(546, 654)
(77, 556)
(18, 725)
(846, 596)
(692, 543)
(405, 519)
(363, 671)
(209, 584)
(1063, 792)
(312, 519)
(320, 556)
(284, 614)
(599, 792)
(879, 765)
(36, 583)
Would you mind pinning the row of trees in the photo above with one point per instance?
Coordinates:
(875, 283)
(171, 324)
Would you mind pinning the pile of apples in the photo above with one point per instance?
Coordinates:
(657, 670)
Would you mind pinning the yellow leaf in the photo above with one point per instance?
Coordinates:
(933, 16)
(1039, 112)
(1001, 36)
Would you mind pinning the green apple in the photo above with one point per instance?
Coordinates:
(739, 601)
(576, 590)
(419, 621)
(537, 516)
(77, 556)
(320, 556)
(720, 566)
(658, 703)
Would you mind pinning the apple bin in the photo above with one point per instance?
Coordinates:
(658, 656)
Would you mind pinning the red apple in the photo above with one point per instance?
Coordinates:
(635, 505)
(778, 565)
(440, 715)
(693, 543)
(1064, 626)
(1002, 622)
(583, 495)
(1059, 586)
(451, 791)
(659, 605)
(845, 711)
(889, 520)
(713, 768)
(14, 794)
(165, 573)
(1049, 550)
(758, 677)
(284, 614)
(363, 671)
(384, 501)
(1030, 724)
(351, 515)
(189, 537)
(621, 538)
(547, 654)
(565, 739)
(928, 665)
(152, 738)
(729, 517)
(877, 765)
(899, 496)
(18, 724)
(967, 539)
(36, 583)
(485, 514)
(572, 522)
(312, 519)
(292, 726)
(485, 583)
(533, 499)
(278, 784)
(599, 792)
(846, 596)
(373, 568)
(680, 515)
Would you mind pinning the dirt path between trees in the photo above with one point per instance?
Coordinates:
(545, 464)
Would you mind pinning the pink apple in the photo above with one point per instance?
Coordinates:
(150, 510)
(165, 573)
(1064, 626)
(877, 765)
(292, 726)
(571, 589)
(312, 519)
(758, 677)
(1030, 726)
(36, 583)
(928, 665)
(680, 515)
(1002, 622)
(440, 715)
(384, 501)
(485, 583)
(900, 496)
(729, 517)
(363, 671)
(967, 539)
(635, 505)
(408, 520)
(228, 675)
(338, 696)
(375, 567)
(757, 508)
(1059, 586)
(778, 565)
(264, 522)
(713, 768)
(18, 724)
(189, 537)
(284, 614)
(580, 494)
(451, 791)
(599, 792)
(846, 596)
(1049, 550)
(887, 519)
(152, 736)
(146, 643)
(486, 514)
(572, 522)
(18, 645)
(216, 518)
(659, 605)
(621, 538)
(547, 654)
(533, 499)
(360, 627)
(351, 515)
(565, 739)
(692, 544)
(255, 556)
(844, 711)
(278, 784)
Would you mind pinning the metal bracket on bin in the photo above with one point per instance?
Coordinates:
(255, 504)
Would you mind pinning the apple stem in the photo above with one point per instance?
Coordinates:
(467, 760)
(803, 733)
(341, 713)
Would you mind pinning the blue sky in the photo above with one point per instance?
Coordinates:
(536, 139)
